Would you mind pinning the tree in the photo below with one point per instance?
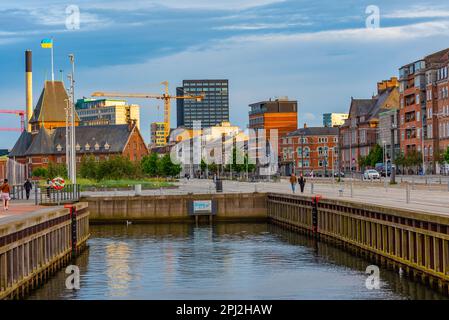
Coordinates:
(40, 172)
(116, 168)
(88, 168)
(56, 170)
(446, 155)
(203, 165)
(150, 164)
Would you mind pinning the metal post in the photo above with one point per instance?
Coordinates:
(407, 192)
(311, 187)
(352, 182)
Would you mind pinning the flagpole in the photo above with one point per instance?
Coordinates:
(52, 69)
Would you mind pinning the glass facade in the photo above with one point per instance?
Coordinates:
(212, 110)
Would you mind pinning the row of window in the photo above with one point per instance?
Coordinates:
(305, 140)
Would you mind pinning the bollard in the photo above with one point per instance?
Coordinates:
(351, 188)
(407, 193)
(311, 187)
(138, 189)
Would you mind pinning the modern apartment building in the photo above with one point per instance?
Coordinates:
(360, 132)
(211, 111)
(307, 150)
(93, 112)
(334, 119)
(158, 138)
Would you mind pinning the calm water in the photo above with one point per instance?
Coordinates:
(226, 261)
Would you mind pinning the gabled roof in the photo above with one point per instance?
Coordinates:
(109, 138)
(51, 104)
(314, 131)
(22, 145)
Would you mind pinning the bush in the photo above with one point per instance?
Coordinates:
(40, 172)
(154, 166)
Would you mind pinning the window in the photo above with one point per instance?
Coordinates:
(78, 147)
(299, 152)
(106, 146)
(87, 147)
(58, 148)
(97, 146)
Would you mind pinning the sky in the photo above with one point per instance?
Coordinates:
(320, 53)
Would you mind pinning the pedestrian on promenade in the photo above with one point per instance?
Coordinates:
(4, 191)
(28, 186)
(302, 182)
(293, 182)
(48, 186)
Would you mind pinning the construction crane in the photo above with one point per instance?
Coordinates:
(21, 114)
(165, 96)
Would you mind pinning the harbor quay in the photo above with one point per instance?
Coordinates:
(378, 226)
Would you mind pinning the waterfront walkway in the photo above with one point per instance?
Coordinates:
(18, 207)
(422, 199)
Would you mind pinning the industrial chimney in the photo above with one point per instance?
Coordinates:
(29, 87)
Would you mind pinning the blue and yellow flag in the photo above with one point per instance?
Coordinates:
(47, 43)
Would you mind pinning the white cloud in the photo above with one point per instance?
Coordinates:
(400, 33)
(418, 12)
(259, 26)
(136, 5)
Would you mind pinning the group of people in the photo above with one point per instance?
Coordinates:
(301, 181)
(5, 192)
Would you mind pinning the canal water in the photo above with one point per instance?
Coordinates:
(223, 261)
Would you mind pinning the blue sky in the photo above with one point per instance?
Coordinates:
(318, 52)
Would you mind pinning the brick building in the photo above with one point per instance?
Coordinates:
(425, 108)
(360, 132)
(46, 142)
(310, 149)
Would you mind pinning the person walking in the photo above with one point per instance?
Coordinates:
(293, 182)
(28, 186)
(302, 182)
(4, 191)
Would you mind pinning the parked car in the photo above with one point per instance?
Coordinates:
(371, 174)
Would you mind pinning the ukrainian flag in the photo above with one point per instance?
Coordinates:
(47, 43)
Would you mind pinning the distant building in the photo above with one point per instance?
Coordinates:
(360, 132)
(212, 110)
(310, 149)
(388, 130)
(46, 142)
(334, 119)
(158, 138)
(280, 114)
(94, 112)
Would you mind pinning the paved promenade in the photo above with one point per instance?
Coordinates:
(429, 199)
(421, 198)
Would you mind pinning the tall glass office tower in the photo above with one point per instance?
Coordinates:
(212, 110)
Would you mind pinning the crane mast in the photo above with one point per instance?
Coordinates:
(165, 96)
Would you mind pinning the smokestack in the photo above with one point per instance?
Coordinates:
(29, 87)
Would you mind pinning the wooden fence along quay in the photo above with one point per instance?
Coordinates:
(416, 242)
(36, 245)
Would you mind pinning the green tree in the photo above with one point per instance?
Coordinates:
(56, 170)
(88, 168)
(203, 165)
(446, 155)
(40, 172)
(150, 164)
(116, 168)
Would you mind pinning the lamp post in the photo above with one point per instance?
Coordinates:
(72, 123)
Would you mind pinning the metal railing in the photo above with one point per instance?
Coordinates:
(50, 196)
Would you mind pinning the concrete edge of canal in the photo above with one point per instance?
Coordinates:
(38, 244)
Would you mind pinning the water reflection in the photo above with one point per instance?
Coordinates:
(223, 261)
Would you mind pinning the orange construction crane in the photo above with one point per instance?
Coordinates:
(21, 114)
(165, 96)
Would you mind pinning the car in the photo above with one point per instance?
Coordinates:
(371, 174)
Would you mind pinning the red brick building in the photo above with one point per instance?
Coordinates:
(360, 132)
(46, 142)
(310, 149)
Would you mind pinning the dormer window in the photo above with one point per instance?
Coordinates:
(97, 146)
(106, 146)
(87, 147)
(59, 148)
(78, 147)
